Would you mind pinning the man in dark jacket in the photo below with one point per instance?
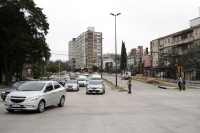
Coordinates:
(179, 84)
(183, 83)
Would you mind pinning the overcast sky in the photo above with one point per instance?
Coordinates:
(140, 22)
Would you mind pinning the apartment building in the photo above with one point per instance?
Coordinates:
(179, 42)
(72, 49)
(88, 47)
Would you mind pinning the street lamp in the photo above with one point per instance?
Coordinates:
(115, 45)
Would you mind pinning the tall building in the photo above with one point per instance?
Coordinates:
(88, 47)
(72, 49)
(179, 42)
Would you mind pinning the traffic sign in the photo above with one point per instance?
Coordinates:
(148, 71)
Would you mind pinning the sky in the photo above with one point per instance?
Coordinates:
(140, 22)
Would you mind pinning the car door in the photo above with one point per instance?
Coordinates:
(58, 92)
(49, 94)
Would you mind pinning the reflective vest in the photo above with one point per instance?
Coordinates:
(129, 82)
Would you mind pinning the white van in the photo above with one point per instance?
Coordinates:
(82, 81)
(96, 77)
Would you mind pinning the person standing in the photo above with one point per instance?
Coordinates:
(183, 83)
(179, 84)
(129, 85)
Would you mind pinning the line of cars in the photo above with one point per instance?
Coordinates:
(36, 95)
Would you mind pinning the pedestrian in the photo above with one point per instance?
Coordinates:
(183, 83)
(179, 84)
(129, 85)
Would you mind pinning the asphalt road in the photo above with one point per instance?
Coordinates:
(147, 110)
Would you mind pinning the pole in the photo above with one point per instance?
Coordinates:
(59, 69)
(115, 51)
(180, 65)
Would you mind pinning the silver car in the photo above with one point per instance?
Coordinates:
(72, 85)
(35, 95)
(95, 86)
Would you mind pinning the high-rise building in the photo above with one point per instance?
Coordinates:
(88, 49)
(72, 49)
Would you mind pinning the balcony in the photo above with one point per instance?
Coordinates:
(183, 41)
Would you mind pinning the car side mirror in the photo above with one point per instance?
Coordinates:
(45, 90)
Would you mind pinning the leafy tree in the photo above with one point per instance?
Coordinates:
(23, 28)
(123, 57)
(94, 68)
(53, 69)
(109, 66)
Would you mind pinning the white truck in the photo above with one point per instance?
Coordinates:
(126, 75)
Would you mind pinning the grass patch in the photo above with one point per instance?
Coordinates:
(112, 84)
(166, 80)
(195, 83)
(46, 79)
(58, 75)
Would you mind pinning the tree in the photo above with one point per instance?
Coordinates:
(190, 59)
(109, 66)
(23, 28)
(123, 57)
(169, 60)
(94, 68)
(53, 69)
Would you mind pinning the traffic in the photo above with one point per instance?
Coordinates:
(37, 95)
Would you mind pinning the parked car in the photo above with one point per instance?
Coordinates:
(86, 74)
(72, 85)
(95, 86)
(35, 95)
(82, 81)
(61, 80)
(5, 92)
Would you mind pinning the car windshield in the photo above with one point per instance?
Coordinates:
(59, 79)
(17, 84)
(95, 83)
(95, 78)
(32, 87)
(81, 79)
(71, 82)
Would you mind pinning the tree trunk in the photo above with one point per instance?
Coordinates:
(8, 72)
(1, 68)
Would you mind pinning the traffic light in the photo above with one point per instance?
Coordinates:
(182, 70)
(178, 69)
(146, 51)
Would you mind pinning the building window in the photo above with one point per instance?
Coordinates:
(168, 40)
(165, 40)
(156, 43)
(153, 44)
(154, 62)
(190, 35)
(179, 48)
(179, 37)
(196, 32)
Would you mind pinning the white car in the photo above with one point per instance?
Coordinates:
(72, 85)
(82, 81)
(35, 95)
(86, 74)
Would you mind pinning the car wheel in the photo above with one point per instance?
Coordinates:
(9, 110)
(3, 99)
(62, 102)
(104, 91)
(87, 93)
(41, 107)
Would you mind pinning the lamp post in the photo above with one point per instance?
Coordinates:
(101, 55)
(115, 45)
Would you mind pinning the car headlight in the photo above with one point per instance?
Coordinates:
(32, 99)
(7, 98)
(3, 92)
